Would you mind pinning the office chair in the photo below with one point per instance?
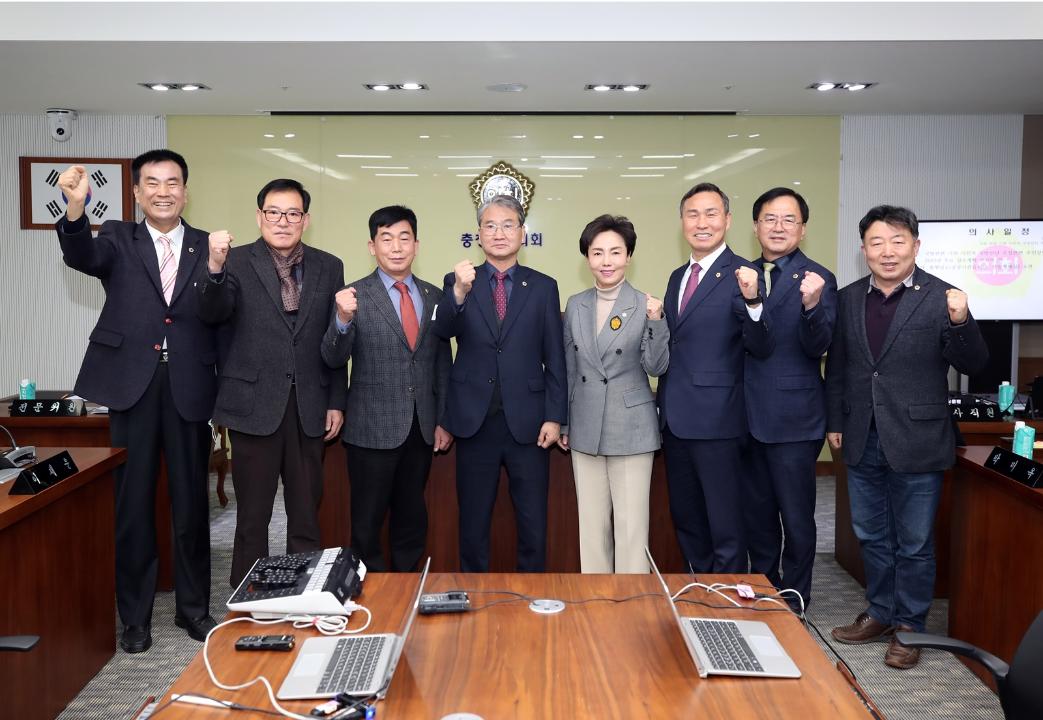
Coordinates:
(1036, 396)
(1019, 688)
(21, 643)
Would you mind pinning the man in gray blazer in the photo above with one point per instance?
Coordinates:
(897, 332)
(278, 399)
(396, 397)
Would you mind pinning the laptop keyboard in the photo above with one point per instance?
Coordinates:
(725, 645)
(352, 664)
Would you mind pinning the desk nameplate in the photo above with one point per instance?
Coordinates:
(1025, 471)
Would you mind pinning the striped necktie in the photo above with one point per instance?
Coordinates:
(167, 268)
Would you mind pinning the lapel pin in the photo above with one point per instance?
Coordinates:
(916, 287)
(524, 284)
(794, 276)
(191, 249)
(718, 275)
(615, 323)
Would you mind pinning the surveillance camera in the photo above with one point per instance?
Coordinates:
(60, 122)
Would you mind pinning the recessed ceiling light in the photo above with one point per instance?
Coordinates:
(290, 135)
(525, 159)
(599, 137)
(160, 87)
(269, 135)
(855, 87)
(652, 167)
(733, 135)
(395, 174)
(385, 167)
(411, 86)
(753, 135)
(796, 182)
(641, 175)
(465, 157)
(511, 87)
(517, 137)
(577, 137)
(189, 87)
(852, 86)
(364, 157)
(633, 88)
(601, 88)
(617, 87)
(823, 86)
(165, 86)
(568, 157)
(379, 87)
(424, 137)
(661, 157)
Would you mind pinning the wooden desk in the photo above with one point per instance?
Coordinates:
(594, 660)
(58, 582)
(93, 431)
(997, 556)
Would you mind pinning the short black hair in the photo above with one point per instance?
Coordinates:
(157, 156)
(775, 194)
(701, 188)
(284, 185)
(390, 215)
(892, 215)
(608, 223)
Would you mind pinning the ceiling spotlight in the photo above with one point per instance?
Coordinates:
(621, 87)
(411, 86)
(577, 137)
(424, 137)
(384, 87)
(823, 86)
(165, 86)
(827, 86)
(160, 87)
(269, 135)
(379, 87)
(599, 137)
(632, 88)
(855, 87)
(601, 88)
(189, 87)
(290, 135)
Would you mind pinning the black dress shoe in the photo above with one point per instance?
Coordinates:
(198, 628)
(136, 638)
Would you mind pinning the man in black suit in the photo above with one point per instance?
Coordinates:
(278, 399)
(152, 362)
(507, 388)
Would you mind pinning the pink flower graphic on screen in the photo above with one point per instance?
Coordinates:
(998, 265)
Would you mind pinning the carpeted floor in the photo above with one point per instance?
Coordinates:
(939, 687)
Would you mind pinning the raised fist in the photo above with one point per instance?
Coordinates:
(464, 271)
(653, 307)
(220, 243)
(347, 304)
(956, 300)
(74, 184)
(811, 289)
(747, 278)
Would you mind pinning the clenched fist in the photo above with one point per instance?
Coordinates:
(347, 304)
(74, 185)
(220, 243)
(464, 271)
(653, 307)
(747, 278)
(956, 300)
(811, 289)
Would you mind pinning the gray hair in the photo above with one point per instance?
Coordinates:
(505, 201)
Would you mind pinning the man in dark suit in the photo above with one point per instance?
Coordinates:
(276, 396)
(507, 389)
(785, 397)
(152, 362)
(396, 396)
(898, 331)
(713, 307)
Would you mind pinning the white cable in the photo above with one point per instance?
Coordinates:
(715, 588)
(331, 624)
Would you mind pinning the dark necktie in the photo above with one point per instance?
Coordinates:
(689, 290)
(500, 295)
(410, 326)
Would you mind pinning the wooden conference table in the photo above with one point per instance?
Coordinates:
(593, 660)
(58, 581)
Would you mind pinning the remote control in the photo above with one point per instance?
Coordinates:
(450, 602)
(284, 643)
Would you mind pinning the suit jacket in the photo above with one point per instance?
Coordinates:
(388, 379)
(785, 394)
(526, 355)
(906, 389)
(125, 345)
(266, 353)
(611, 407)
(701, 395)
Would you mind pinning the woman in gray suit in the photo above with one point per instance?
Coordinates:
(615, 337)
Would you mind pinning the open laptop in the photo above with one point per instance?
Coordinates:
(360, 665)
(730, 647)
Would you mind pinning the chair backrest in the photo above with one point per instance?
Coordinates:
(1036, 396)
(1022, 694)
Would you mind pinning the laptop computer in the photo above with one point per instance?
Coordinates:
(730, 647)
(359, 665)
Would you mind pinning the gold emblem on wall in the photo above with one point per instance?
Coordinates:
(502, 179)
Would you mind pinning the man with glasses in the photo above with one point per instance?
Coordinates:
(785, 396)
(507, 389)
(277, 397)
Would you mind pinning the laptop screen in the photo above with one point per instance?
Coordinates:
(403, 635)
(677, 617)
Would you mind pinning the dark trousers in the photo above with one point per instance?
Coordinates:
(258, 461)
(390, 480)
(703, 478)
(779, 502)
(153, 425)
(478, 462)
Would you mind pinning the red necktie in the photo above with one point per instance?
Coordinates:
(410, 326)
(500, 295)
(689, 290)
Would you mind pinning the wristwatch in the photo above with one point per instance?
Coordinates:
(750, 302)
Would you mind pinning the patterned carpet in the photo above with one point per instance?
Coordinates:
(939, 687)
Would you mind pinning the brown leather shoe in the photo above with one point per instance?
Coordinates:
(898, 655)
(863, 630)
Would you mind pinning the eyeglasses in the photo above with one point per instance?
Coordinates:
(490, 228)
(275, 216)
(788, 221)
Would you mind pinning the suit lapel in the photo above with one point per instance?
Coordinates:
(310, 284)
(713, 276)
(186, 264)
(859, 321)
(520, 292)
(377, 294)
(625, 309)
(428, 298)
(907, 305)
(787, 283)
(481, 294)
(264, 266)
(587, 319)
(146, 248)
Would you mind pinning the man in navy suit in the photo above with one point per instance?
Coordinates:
(713, 308)
(507, 389)
(785, 396)
(153, 363)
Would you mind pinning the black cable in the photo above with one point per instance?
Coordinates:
(786, 609)
(232, 706)
(519, 596)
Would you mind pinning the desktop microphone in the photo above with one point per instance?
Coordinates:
(17, 456)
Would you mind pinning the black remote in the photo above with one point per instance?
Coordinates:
(283, 643)
(451, 602)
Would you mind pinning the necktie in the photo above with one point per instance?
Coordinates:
(410, 326)
(500, 295)
(768, 267)
(689, 290)
(167, 268)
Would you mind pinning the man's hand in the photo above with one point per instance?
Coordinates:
(747, 278)
(464, 272)
(835, 440)
(347, 304)
(811, 289)
(443, 439)
(334, 422)
(549, 433)
(220, 243)
(73, 184)
(653, 309)
(563, 442)
(957, 302)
